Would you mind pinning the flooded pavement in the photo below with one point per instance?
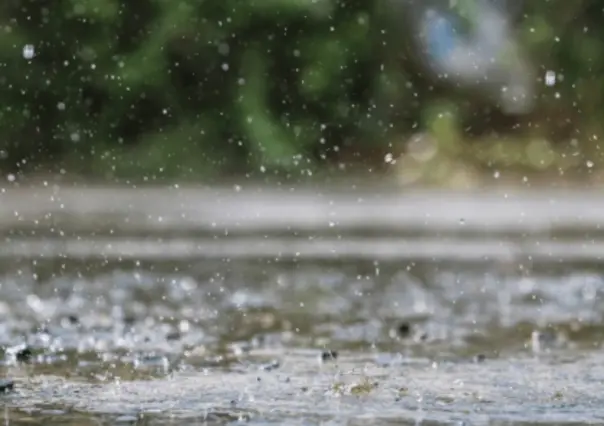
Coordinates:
(302, 307)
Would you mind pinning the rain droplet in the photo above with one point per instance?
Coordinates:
(550, 78)
(28, 51)
(223, 49)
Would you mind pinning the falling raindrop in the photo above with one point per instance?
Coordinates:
(224, 49)
(28, 51)
(550, 78)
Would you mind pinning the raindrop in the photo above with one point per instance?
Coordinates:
(550, 78)
(223, 49)
(28, 51)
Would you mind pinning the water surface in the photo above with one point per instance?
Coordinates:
(225, 305)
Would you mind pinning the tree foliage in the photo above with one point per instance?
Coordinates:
(177, 87)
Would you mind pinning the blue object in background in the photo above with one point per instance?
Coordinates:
(483, 54)
(441, 37)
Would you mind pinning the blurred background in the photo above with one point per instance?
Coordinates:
(264, 209)
(429, 92)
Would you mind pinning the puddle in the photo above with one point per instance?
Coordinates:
(293, 308)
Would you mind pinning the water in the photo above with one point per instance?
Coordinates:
(301, 306)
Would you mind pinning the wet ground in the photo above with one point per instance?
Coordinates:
(301, 307)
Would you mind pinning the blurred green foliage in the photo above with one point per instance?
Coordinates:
(196, 87)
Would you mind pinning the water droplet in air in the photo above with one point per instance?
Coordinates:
(550, 78)
(28, 51)
(224, 49)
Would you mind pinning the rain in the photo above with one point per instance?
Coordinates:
(308, 212)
